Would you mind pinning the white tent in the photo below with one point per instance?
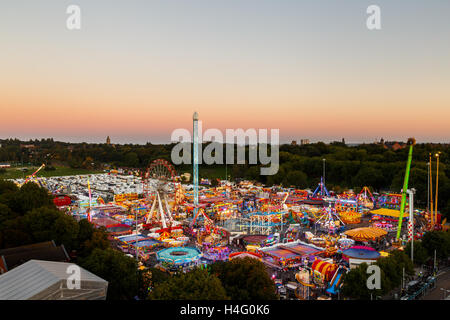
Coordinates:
(48, 280)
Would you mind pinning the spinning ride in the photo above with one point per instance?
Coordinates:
(365, 198)
(321, 190)
(330, 221)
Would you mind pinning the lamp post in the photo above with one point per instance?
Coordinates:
(135, 244)
(437, 180)
(324, 160)
(411, 193)
(434, 263)
(428, 188)
(430, 177)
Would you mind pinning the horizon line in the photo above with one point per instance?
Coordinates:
(328, 141)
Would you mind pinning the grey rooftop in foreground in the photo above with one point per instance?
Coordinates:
(47, 280)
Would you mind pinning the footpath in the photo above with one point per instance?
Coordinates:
(443, 281)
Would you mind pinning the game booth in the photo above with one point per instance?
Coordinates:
(252, 242)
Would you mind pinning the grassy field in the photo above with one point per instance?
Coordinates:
(204, 171)
(15, 173)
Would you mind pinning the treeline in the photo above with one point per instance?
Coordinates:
(237, 279)
(28, 215)
(301, 166)
(81, 155)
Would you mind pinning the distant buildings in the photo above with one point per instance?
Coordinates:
(293, 143)
(27, 146)
(108, 140)
(392, 145)
(304, 141)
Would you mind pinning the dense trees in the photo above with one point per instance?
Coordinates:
(214, 183)
(439, 241)
(38, 220)
(420, 252)
(355, 281)
(393, 267)
(239, 279)
(15, 207)
(355, 284)
(90, 238)
(424, 249)
(149, 279)
(245, 279)
(194, 285)
(115, 267)
(28, 215)
(43, 224)
(28, 197)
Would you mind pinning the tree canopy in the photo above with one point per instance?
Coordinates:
(197, 284)
(391, 267)
(245, 279)
(116, 268)
(439, 241)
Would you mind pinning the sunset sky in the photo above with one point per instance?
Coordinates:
(137, 70)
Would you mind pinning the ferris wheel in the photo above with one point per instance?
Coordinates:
(158, 181)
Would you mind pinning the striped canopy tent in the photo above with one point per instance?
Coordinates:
(325, 269)
(386, 212)
(365, 234)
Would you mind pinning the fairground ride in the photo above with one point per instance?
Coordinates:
(411, 143)
(32, 177)
(365, 198)
(158, 180)
(321, 190)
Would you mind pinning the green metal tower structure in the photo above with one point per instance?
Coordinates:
(411, 143)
